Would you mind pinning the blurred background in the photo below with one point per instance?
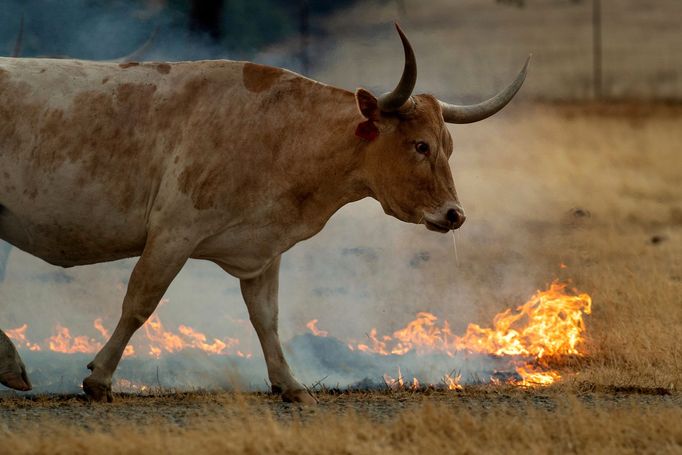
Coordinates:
(582, 169)
(583, 48)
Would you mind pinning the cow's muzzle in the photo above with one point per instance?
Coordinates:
(449, 219)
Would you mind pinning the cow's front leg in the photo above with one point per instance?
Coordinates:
(160, 262)
(260, 295)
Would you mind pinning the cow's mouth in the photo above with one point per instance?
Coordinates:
(431, 226)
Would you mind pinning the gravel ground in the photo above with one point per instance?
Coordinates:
(183, 408)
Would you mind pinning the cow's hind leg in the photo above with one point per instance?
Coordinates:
(260, 295)
(159, 264)
(12, 369)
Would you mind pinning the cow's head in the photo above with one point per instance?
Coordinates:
(408, 147)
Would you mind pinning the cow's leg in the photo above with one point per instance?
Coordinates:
(160, 262)
(260, 295)
(12, 370)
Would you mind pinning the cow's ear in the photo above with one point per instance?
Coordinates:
(368, 104)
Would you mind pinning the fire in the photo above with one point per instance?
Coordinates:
(198, 341)
(531, 377)
(19, 337)
(452, 382)
(64, 342)
(549, 325)
(100, 328)
(162, 340)
(158, 340)
(400, 384)
(395, 384)
(312, 326)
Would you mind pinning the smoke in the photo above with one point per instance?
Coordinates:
(364, 270)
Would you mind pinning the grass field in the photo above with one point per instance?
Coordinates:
(475, 421)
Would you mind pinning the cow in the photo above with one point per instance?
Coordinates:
(226, 161)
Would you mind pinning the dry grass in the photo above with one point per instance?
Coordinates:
(572, 426)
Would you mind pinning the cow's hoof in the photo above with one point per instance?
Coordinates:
(16, 381)
(300, 396)
(97, 390)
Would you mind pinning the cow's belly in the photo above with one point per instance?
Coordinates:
(71, 242)
(68, 221)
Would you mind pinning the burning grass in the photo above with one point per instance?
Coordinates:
(533, 336)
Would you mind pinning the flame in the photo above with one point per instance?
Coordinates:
(529, 377)
(549, 325)
(64, 342)
(453, 382)
(400, 383)
(395, 384)
(100, 328)
(198, 341)
(312, 326)
(158, 340)
(19, 337)
(161, 339)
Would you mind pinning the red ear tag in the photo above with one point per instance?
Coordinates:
(367, 130)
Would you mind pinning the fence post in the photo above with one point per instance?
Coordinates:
(596, 49)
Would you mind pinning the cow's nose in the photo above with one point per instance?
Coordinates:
(455, 217)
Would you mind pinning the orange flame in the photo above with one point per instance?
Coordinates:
(312, 326)
(19, 337)
(64, 342)
(549, 324)
(453, 382)
(531, 377)
(159, 340)
(100, 328)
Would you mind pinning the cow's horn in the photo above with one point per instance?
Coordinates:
(392, 101)
(468, 114)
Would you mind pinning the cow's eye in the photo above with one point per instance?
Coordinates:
(423, 148)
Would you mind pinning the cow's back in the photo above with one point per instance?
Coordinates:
(84, 148)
